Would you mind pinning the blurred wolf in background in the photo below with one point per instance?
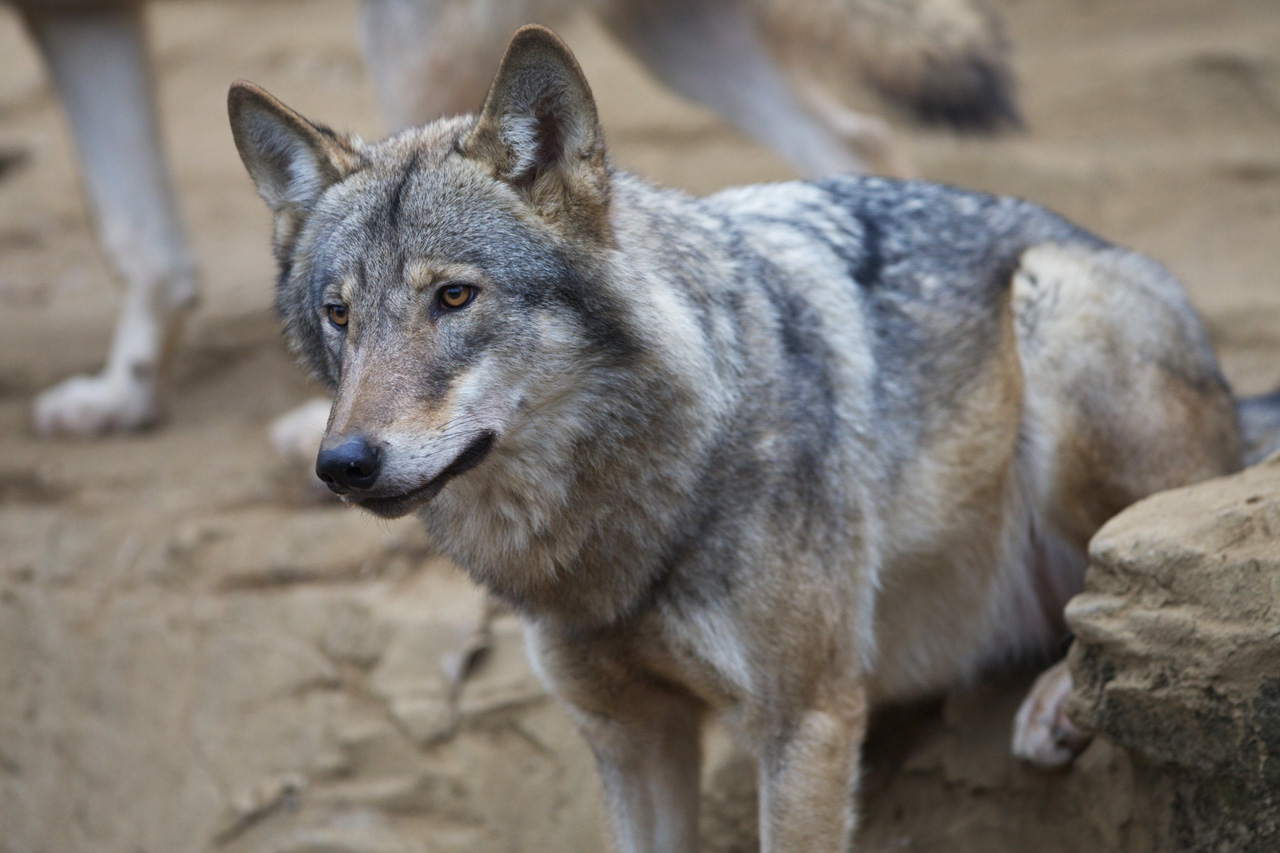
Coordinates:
(778, 454)
(759, 63)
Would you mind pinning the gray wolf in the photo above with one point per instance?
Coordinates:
(778, 454)
(761, 64)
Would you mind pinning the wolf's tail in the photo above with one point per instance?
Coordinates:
(1259, 425)
(946, 61)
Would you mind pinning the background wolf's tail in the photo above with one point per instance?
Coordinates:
(1259, 425)
(945, 61)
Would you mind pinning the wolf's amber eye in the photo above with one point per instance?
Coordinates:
(337, 314)
(456, 295)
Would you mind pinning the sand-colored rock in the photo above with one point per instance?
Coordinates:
(1177, 656)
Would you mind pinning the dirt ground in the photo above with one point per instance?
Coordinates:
(194, 657)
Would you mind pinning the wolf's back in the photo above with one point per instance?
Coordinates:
(945, 61)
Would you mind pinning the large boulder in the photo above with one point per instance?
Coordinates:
(1177, 657)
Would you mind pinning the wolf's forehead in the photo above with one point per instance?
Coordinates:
(411, 220)
(419, 204)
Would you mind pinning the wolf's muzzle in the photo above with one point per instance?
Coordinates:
(396, 505)
(353, 464)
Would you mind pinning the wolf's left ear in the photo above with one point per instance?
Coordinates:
(539, 129)
(292, 160)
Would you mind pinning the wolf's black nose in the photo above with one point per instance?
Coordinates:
(353, 464)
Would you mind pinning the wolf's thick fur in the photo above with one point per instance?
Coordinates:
(779, 453)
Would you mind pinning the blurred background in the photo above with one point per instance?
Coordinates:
(196, 655)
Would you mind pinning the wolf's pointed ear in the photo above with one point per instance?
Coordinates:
(292, 160)
(539, 128)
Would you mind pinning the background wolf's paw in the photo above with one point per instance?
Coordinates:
(95, 405)
(1042, 734)
(296, 436)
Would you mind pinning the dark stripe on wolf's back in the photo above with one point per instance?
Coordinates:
(870, 261)
(949, 231)
(859, 250)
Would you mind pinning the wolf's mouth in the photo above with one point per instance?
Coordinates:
(394, 506)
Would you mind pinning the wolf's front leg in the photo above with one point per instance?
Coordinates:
(646, 736)
(809, 775)
(649, 767)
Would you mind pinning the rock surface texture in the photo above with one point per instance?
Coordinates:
(1177, 658)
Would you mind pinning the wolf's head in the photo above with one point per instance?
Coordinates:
(442, 281)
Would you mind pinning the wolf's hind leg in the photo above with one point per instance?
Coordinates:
(1042, 733)
(1124, 380)
(98, 59)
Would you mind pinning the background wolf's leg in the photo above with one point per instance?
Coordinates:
(710, 51)
(98, 60)
(808, 777)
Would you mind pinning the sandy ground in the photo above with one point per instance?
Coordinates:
(192, 657)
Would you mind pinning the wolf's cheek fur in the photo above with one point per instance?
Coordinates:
(315, 348)
(316, 343)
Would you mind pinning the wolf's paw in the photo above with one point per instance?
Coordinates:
(86, 406)
(296, 436)
(1042, 734)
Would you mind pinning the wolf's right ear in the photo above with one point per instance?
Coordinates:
(292, 160)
